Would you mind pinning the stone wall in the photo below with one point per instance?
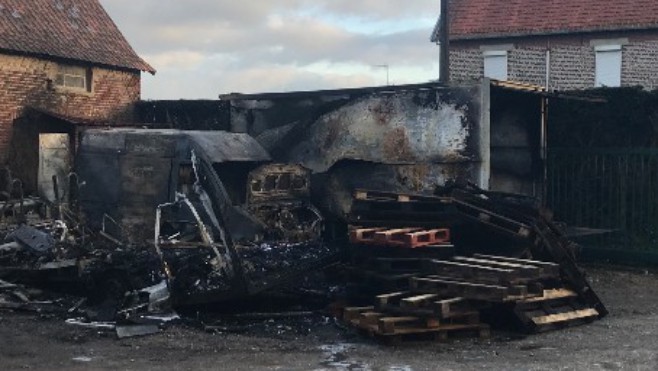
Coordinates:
(27, 82)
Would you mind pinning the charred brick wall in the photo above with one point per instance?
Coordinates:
(27, 82)
(572, 59)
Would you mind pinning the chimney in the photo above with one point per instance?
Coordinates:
(444, 41)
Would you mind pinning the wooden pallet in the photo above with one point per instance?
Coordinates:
(447, 310)
(376, 208)
(396, 265)
(400, 237)
(380, 281)
(388, 328)
(556, 309)
(364, 235)
(523, 270)
(363, 255)
(369, 195)
(477, 273)
(450, 287)
(549, 270)
(489, 272)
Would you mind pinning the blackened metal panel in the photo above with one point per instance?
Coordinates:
(96, 140)
(98, 174)
(333, 189)
(224, 147)
(516, 162)
(145, 183)
(151, 145)
(100, 190)
(409, 127)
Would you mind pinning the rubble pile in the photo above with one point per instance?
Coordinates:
(416, 265)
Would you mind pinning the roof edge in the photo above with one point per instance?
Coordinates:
(500, 35)
(57, 58)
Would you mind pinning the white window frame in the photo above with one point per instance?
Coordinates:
(608, 65)
(74, 78)
(495, 64)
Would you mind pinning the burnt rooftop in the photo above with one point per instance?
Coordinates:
(77, 30)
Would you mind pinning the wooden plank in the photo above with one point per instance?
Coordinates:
(441, 285)
(386, 299)
(445, 328)
(565, 317)
(364, 235)
(389, 325)
(417, 300)
(366, 195)
(550, 269)
(449, 307)
(426, 237)
(393, 237)
(369, 318)
(527, 271)
(352, 313)
(554, 294)
(493, 275)
(397, 264)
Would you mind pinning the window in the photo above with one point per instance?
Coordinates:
(495, 64)
(608, 65)
(74, 77)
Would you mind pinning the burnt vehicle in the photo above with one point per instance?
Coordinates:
(224, 219)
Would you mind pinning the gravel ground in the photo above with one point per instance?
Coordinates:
(626, 339)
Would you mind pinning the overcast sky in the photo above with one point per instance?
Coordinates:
(202, 48)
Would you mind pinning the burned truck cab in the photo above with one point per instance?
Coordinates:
(224, 219)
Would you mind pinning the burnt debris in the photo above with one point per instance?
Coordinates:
(156, 222)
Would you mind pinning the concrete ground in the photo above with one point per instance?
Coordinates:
(627, 339)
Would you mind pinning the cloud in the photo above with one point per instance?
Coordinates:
(227, 45)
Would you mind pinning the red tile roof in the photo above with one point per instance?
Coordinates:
(73, 29)
(471, 19)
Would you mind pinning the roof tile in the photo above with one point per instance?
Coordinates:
(493, 18)
(72, 29)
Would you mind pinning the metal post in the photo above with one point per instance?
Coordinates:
(444, 40)
(386, 66)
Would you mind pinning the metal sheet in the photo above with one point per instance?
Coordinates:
(221, 146)
(404, 128)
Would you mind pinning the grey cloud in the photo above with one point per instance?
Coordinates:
(382, 9)
(203, 47)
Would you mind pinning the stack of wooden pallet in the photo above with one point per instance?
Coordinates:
(384, 259)
(446, 296)
(404, 315)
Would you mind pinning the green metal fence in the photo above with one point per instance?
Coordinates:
(609, 189)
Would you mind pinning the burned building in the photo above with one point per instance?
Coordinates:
(406, 138)
(63, 64)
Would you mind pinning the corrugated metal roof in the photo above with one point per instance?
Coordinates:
(72, 29)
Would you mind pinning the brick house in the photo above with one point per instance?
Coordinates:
(562, 44)
(63, 64)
